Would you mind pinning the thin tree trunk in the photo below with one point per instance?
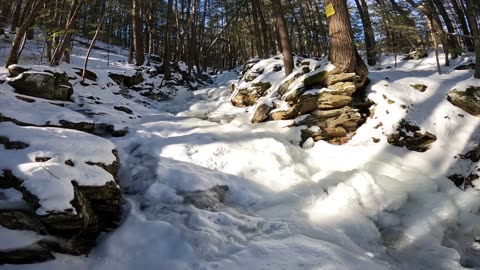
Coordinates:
(367, 32)
(167, 54)
(84, 72)
(14, 54)
(137, 33)
(16, 15)
(476, 34)
(463, 24)
(283, 34)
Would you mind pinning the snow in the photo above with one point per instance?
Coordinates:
(50, 181)
(362, 205)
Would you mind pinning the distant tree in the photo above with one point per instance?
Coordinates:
(137, 32)
(476, 34)
(343, 53)
(20, 35)
(367, 32)
(282, 31)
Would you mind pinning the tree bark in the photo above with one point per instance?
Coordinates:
(14, 54)
(476, 34)
(137, 33)
(463, 24)
(343, 53)
(167, 54)
(367, 32)
(283, 34)
(452, 40)
(16, 15)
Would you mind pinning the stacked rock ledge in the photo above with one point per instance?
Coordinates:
(329, 106)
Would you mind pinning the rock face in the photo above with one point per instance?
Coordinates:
(48, 85)
(210, 199)
(410, 136)
(70, 192)
(327, 104)
(468, 100)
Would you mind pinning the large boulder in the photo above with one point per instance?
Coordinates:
(68, 189)
(47, 85)
(468, 100)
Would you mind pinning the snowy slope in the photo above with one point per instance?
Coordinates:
(363, 205)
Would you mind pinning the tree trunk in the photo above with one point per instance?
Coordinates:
(16, 15)
(14, 54)
(65, 43)
(137, 32)
(367, 32)
(452, 41)
(463, 24)
(283, 35)
(256, 28)
(167, 54)
(343, 53)
(84, 72)
(476, 34)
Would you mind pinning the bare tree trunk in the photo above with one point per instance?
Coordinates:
(84, 72)
(452, 40)
(167, 54)
(463, 24)
(476, 34)
(283, 34)
(65, 43)
(367, 32)
(137, 33)
(343, 53)
(16, 15)
(14, 54)
(256, 28)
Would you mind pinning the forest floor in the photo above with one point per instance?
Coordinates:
(362, 205)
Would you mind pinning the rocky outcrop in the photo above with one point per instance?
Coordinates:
(468, 100)
(410, 136)
(42, 84)
(320, 100)
(81, 166)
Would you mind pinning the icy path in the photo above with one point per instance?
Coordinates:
(359, 206)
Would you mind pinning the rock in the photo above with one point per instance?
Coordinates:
(9, 145)
(470, 66)
(53, 86)
(419, 87)
(205, 78)
(248, 96)
(468, 100)
(277, 68)
(89, 75)
(285, 85)
(416, 55)
(291, 113)
(210, 199)
(409, 136)
(341, 77)
(294, 94)
(342, 88)
(315, 78)
(21, 220)
(95, 205)
(123, 109)
(128, 81)
(262, 113)
(15, 70)
(33, 253)
(307, 104)
(245, 98)
(328, 101)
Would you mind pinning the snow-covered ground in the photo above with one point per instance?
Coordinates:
(363, 205)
